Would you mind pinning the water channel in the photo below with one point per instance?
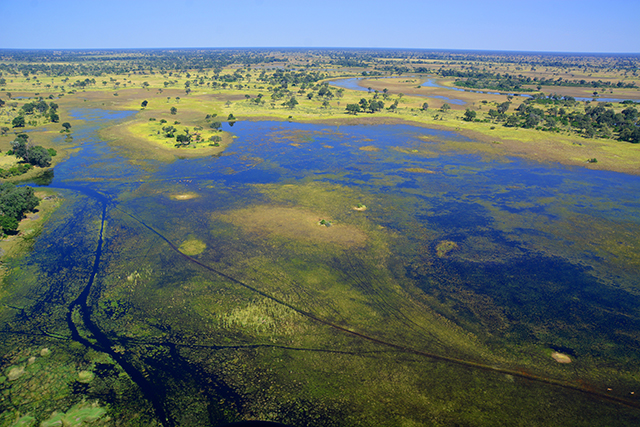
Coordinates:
(353, 84)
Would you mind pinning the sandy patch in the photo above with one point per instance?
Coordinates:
(560, 358)
(294, 224)
(185, 196)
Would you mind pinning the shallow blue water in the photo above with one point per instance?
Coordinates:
(352, 83)
(501, 213)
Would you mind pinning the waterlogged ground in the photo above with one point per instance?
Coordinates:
(326, 276)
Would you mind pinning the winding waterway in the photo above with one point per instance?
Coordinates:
(447, 278)
(353, 84)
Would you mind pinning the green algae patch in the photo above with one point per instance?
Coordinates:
(192, 247)
(445, 247)
(85, 377)
(296, 224)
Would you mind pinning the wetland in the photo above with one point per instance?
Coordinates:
(319, 272)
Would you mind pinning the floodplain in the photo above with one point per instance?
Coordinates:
(223, 253)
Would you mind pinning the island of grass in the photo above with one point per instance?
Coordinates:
(189, 137)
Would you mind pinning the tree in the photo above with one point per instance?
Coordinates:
(353, 109)
(502, 108)
(54, 117)
(425, 106)
(18, 122)
(230, 118)
(183, 139)
(66, 126)
(14, 202)
(291, 103)
(144, 103)
(39, 156)
(20, 148)
(469, 115)
(215, 125)
(445, 107)
(173, 110)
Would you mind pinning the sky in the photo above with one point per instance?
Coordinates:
(611, 26)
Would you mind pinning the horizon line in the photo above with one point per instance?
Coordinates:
(320, 48)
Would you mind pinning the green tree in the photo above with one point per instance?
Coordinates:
(18, 122)
(173, 110)
(66, 126)
(144, 103)
(20, 149)
(469, 115)
(502, 108)
(39, 156)
(353, 109)
(14, 202)
(291, 103)
(183, 139)
(425, 106)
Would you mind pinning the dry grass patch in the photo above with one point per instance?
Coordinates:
(369, 148)
(294, 224)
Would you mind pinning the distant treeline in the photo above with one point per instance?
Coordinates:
(509, 82)
(100, 62)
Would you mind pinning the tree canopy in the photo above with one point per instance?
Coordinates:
(14, 202)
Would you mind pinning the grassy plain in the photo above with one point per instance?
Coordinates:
(144, 137)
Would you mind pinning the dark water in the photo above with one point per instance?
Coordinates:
(286, 326)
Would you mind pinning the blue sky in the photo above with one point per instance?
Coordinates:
(546, 25)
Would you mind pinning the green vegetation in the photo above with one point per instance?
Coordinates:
(14, 203)
(286, 302)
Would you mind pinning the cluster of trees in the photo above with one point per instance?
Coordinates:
(35, 155)
(14, 202)
(50, 111)
(100, 62)
(596, 121)
(286, 78)
(370, 106)
(509, 82)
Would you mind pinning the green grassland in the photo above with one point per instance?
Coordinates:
(252, 97)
